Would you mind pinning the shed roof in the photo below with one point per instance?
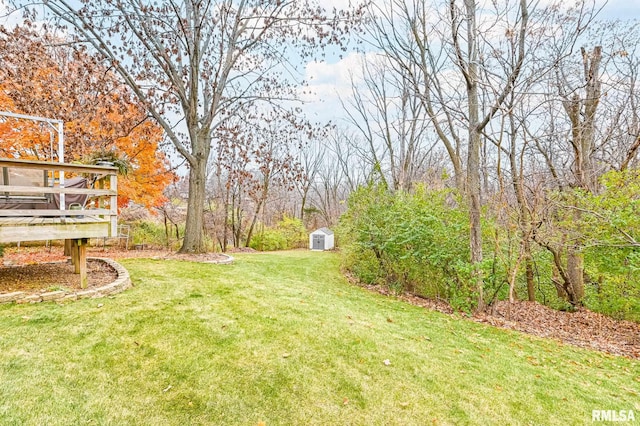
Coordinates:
(326, 231)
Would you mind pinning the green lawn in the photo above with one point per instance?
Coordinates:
(284, 339)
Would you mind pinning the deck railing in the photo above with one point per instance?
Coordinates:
(101, 196)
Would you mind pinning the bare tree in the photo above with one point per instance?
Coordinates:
(390, 117)
(195, 63)
(452, 63)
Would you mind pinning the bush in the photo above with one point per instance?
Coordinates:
(288, 234)
(613, 285)
(269, 240)
(409, 241)
(154, 234)
(148, 232)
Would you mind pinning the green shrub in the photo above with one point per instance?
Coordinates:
(409, 241)
(288, 234)
(269, 240)
(293, 231)
(613, 282)
(154, 234)
(148, 232)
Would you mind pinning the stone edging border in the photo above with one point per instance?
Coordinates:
(120, 284)
(227, 261)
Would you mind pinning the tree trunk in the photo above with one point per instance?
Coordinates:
(225, 230)
(473, 156)
(303, 202)
(193, 236)
(253, 223)
(524, 217)
(531, 289)
(575, 272)
(166, 228)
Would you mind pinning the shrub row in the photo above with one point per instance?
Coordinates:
(409, 241)
(289, 233)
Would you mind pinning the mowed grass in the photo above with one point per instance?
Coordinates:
(284, 339)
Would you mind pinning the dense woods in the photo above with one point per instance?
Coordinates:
(486, 152)
(535, 110)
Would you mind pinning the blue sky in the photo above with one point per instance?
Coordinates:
(330, 80)
(621, 9)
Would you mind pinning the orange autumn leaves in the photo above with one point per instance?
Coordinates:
(43, 77)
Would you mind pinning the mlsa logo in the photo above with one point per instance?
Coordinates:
(613, 416)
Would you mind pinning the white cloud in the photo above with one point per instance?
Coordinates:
(329, 82)
(341, 73)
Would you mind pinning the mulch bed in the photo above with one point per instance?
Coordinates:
(582, 328)
(39, 270)
(44, 277)
(154, 253)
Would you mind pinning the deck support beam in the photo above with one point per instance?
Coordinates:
(79, 259)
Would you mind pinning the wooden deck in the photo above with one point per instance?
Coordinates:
(97, 219)
(28, 209)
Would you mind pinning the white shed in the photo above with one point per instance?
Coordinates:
(321, 239)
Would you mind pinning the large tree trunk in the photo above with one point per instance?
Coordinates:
(473, 156)
(193, 235)
(473, 181)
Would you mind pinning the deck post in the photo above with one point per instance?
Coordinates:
(113, 204)
(74, 256)
(79, 259)
(63, 204)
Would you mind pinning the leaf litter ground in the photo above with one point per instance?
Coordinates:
(582, 328)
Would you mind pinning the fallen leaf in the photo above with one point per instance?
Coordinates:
(389, 320)
(345, 401)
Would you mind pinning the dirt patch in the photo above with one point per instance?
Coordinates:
(115, 253)
(242, 250)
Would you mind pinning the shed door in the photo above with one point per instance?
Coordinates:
(318, 242)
